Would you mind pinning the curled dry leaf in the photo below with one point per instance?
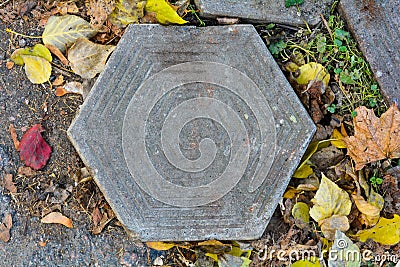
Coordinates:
(9, 184)
(63, 31)
(57, 217)
(99, 10)
(87, 58)
(58, 54)
(5, 227)
(370, 208)
(37, 69)
(160, 245)
(33, 148)
(70, 88)
(59, 80)
(374, 138)
(14, 137)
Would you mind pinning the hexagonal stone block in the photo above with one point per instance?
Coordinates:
(192, 133)
(265, 11)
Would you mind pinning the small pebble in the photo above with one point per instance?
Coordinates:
(22, 42)
(158, 262)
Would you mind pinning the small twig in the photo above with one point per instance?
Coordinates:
(327, 26)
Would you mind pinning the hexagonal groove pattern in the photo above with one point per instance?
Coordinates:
(192, 133)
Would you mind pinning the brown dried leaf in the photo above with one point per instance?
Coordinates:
(59, 80)
(5, 228)
(53, 49)
(57, 217)
(96, 216)
(99, 10)
(331, 224)
(374, 138)
(70, 88)
(26, 171)
(14, 137)
(9, 184)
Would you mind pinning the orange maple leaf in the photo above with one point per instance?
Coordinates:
(374, 138)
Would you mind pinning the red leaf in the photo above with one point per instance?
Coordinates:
(33, 148)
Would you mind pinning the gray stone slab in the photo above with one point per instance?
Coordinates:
(192, 133)
(265, 11)
(376, 26)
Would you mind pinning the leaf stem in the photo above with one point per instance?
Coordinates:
(23, 35)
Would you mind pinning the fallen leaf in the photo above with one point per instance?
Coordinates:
(42, 243)
(59, 80)
(165, 14)
(10, 65)
(160, 245)
(33, 148)
(312, 262)
(329, 200)
(333, 223)
(312, 72)
(9, 184)
(14, 137)
(370, 209)
(215, 247)
(346, 253)
(87, 58)
(96, 216)
(5, 227)
(127, 12)
(58, 54)
(337, 139)
(37, 69)
(301, 214)
(374, 139)
(38, 50)
(385, 232)
(70, 88)
(63, 31)
(105, 220)
(99, 10)
(57, 217)
(304, 169)
(26, 171)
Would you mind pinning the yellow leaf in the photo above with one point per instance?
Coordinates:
(160, 245)
(127, 12)
(291, 192)
(211, 243)
(312, 148)
(301, 214)
(87, 58)
(63, 31)
(374, 138)
(337, 139)
(331, 224)
(303, 171)
(57, 217)
(313, 262)
(312, 71)
(38, 50)
(37, 69)
(165, 14)
(385, 232)
(212, 256)
(329, 200)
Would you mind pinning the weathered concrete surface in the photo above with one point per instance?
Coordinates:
(192, 133)
(376, 26)
(265, 11)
